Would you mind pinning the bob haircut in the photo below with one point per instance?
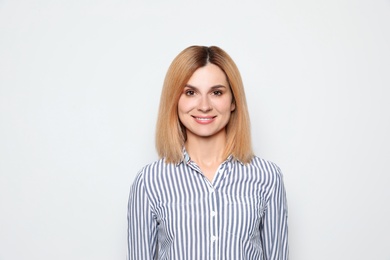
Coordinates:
(171, 134)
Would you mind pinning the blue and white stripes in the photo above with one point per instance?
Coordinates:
(174, 212)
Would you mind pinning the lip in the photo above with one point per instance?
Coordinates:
(204, 120)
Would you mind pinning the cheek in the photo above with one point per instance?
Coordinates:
(185, 105)
(181, 105)
(225, 105)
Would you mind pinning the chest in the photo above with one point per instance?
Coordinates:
(231, 206)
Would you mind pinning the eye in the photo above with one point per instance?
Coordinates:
(217, 93)
(189, 92)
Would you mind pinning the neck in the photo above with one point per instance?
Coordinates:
(206, 151)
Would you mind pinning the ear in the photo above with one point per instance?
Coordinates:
(233, 106)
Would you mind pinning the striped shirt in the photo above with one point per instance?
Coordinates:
(175, 212)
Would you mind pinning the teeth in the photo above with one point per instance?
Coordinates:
(203, 118)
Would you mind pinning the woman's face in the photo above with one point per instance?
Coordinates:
(206, 103)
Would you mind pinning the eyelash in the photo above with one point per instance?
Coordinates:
(192, 92)
(189, 92)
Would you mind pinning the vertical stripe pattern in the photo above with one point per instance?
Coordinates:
(174, 212)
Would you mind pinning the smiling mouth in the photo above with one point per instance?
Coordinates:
(204, 118)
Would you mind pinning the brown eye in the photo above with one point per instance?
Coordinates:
(217, 93)
(190, 92)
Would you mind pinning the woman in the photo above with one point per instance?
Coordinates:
(208, 197)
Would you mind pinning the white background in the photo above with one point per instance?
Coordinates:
(79, 89)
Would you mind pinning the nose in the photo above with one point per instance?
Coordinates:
(205, 105)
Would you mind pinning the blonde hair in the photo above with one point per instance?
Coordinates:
(171, 134)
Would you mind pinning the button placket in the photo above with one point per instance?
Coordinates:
(214, 225)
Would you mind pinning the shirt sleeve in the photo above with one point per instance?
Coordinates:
(274, 230)
(142, 225)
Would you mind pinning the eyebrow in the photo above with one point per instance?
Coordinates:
(213, 87)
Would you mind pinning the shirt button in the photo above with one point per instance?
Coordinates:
(214, 238)
(213, 213)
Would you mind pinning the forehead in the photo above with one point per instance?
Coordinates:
(207, 76)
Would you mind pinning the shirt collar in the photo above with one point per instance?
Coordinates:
(186, 159)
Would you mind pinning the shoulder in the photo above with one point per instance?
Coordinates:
(156, 178)
(156, 168)
(264, 166)
(271, 174)
(155, 173)
(266, 172)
